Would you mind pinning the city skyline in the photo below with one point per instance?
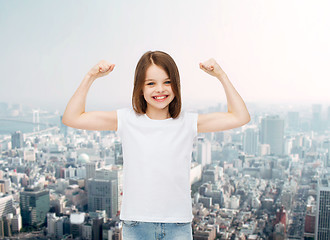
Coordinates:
(243, 183)
(22, 117)
(272, 51)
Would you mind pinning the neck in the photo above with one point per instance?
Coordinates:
(158, 114)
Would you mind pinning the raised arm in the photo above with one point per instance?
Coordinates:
(75, 116)
(237, 114)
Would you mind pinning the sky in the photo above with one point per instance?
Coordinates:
(274, 51)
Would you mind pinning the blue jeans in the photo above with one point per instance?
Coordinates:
(136, 230)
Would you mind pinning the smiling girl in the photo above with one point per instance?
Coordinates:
(157, 139)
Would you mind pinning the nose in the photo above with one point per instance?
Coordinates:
(160, 88)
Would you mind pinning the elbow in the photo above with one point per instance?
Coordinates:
(244, 120)
(71, 121)
(248, 119)
(65, 122)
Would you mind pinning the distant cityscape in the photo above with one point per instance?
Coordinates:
(269, 179)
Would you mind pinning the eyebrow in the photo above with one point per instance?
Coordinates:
(150, 79)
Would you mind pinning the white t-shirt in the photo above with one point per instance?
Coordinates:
(156, 166)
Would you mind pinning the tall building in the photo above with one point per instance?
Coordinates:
(310, 218)
(263, 149)
(17, 140)
(293, 120)
(7, 226)
(272, 133)
(97, 228)
(59, 227)
(66, 225)
(103, 195)
(34, 206)
(5, 185)
(281, 217)
(90, 169)
(327, 158)
(86, 231)
(76, 223)
(51, 224)
(113, 172)
(6, 205)
(108, 231)
(250, 141)
(317, 117)
(2, 229)
(64, 128)
(118, 152)
(16, 223)
(204, 151)
(322, 226)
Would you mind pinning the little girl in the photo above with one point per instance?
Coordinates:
(157, 140)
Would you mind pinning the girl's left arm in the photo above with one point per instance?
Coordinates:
(237, 114)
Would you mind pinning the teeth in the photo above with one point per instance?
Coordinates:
(160, 97)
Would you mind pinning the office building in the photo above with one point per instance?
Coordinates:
(203, 151)
(322, 226)
(250, 141)
(17, 140)
(272, 133)
(103, 195)
(90, 170)
(6, 205)
(293, 122)
(34, 206)
(317, 124)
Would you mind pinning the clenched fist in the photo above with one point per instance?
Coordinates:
(102, 68)
(212, 67)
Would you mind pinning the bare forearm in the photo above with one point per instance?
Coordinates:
(235, 103)
(76, 105)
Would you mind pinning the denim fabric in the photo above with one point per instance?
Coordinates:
(136, 230)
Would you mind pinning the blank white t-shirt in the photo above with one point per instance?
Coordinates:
(156, 166)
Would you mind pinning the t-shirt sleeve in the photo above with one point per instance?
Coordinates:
(121, 115)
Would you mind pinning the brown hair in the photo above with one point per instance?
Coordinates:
(166, 62)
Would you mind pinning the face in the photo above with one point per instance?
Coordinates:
(157, 90)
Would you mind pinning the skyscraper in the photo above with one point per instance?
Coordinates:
(293, 120)
(327, 158)
(322, 226)
(317, 117)
(203, 151)
(118, 152)
(17, 139)
(112, 173)
(272, 133)
(103, 195)
(90, 170)
(76, 223)
(6, 205)
(250, 141)
(34, 206)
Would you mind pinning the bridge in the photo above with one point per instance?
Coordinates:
(36, 133)
(27, 122)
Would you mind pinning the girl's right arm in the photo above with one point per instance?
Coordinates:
(75, 116)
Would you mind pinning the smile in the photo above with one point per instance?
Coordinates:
(160, 98)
